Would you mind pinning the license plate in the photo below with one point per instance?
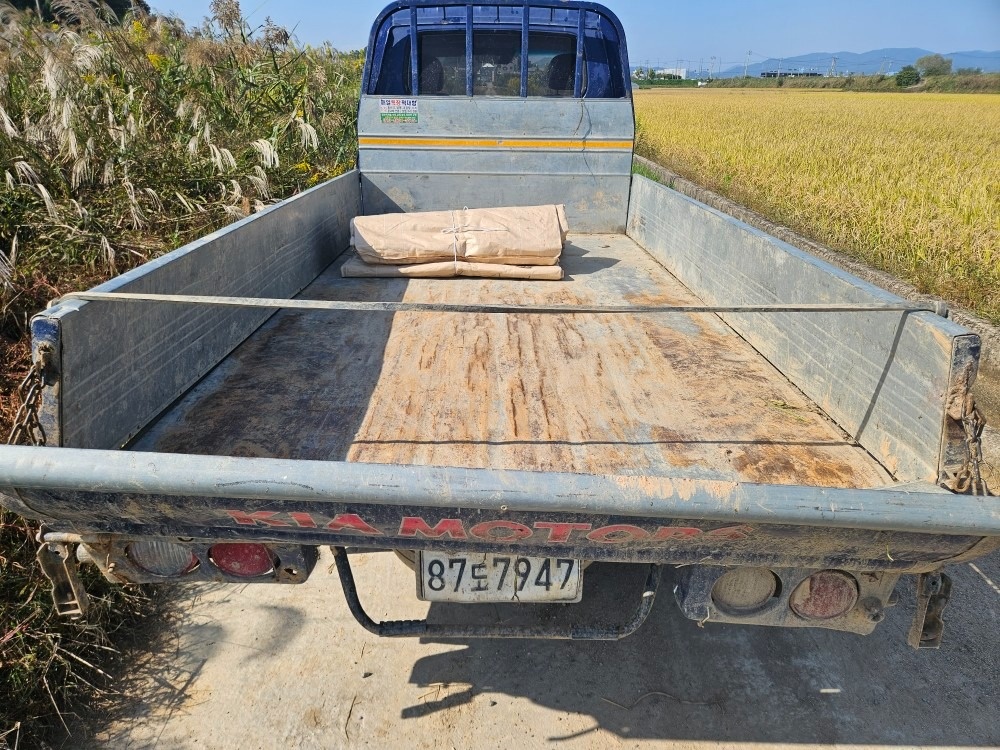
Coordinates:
(482, 578)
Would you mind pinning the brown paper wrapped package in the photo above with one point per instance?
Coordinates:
(354, 267)
(517, 236)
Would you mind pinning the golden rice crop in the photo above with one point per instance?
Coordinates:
(908, 183)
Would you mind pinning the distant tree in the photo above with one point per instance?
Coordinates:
(934, 65)
(44, 7)
(969, 72)
(908, 76)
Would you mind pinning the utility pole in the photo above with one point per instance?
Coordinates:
(701, 68)
(711, 64)
(746, 63)
(780, 60)
(832, 73)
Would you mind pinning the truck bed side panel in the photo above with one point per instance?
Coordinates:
(119, 364)
(889, 379)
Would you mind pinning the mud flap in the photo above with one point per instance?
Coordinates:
(927, 630)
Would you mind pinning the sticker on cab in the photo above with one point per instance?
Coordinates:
(398, 110)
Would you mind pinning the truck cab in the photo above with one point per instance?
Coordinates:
(506, 104)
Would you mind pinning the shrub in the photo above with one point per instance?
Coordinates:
(907, 76)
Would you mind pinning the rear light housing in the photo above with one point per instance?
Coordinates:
(786, 597)
(165, 560)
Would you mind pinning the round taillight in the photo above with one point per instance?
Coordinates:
(824, 595)
(161, 558)
(744, 590)
(243, 560)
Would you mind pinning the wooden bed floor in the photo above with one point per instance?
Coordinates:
(665, 394)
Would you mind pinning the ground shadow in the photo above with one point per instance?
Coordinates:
(675, 680)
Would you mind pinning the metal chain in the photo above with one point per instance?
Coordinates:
(969, 480)
(27, 428)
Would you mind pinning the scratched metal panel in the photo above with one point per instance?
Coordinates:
(122, 363)
(888, 379)
(482, 152)
(592, 516)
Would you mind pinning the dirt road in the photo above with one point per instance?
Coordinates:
(286, 666)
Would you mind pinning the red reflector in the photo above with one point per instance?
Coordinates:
(824, 595)
(244, 560)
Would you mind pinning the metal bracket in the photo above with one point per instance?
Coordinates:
(933, 591)
(58, 562)
(422, 628)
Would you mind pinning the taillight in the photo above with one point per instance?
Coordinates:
(744, 590)
(824, 595)
(161, 558)
(243, 560)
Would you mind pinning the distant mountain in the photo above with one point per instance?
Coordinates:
(886, 60)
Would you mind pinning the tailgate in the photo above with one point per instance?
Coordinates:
(661, 519)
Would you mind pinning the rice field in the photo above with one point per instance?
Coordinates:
(908, 183)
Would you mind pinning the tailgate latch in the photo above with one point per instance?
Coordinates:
(58, 562)
(933, 591)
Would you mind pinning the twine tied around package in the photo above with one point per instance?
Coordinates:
(457, 228)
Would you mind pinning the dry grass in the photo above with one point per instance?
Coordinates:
(120, 141)
(909, 184)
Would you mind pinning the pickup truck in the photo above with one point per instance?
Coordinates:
(694, 394)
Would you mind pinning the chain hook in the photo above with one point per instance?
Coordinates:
(27, 426)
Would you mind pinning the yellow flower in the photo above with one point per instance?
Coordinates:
(157, 61)
(302, 166)
(139, 33)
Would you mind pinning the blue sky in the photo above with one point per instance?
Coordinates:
(693, 29)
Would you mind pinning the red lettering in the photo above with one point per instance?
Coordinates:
(731, 533)
(411, 526)
(262, 517)
(560, 532)
(351, 522)
(509, 531)
(675, 532)
(618, 534)
(303, 520)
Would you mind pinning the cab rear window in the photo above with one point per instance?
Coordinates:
(494, 50)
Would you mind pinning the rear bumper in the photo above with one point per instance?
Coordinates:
(615, 518)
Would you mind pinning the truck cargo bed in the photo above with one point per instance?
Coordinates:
(663, 393)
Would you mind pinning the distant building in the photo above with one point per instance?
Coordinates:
(679, 72)
(789, 74)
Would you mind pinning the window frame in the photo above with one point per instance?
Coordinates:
(381, 31)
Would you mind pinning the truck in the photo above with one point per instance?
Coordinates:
(786, 441)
